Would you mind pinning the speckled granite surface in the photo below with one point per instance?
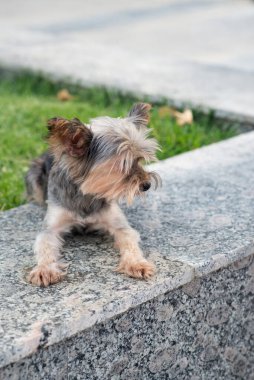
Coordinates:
(201, 220)
(202, 331)
(204, 215)
(92, 291)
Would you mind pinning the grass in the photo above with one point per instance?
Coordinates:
(28, 100)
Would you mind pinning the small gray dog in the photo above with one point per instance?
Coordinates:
(87, 170)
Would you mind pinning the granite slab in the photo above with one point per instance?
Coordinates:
(33, 317)
(201, 331)
(202, 219)
(204, 214)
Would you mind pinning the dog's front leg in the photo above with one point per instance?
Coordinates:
(132, 261)
(48, 243)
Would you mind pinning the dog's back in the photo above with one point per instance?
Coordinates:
(37, 178)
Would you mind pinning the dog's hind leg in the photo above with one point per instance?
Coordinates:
(47, 247)
(36, 178)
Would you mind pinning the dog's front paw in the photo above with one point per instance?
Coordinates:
(44, 275)
(137, 269)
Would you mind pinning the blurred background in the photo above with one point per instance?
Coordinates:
(183, 49)
(181, 55)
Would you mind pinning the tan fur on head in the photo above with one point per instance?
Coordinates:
(108, 180)
(129, 135)
(105, 180)
(105, 159)
(123, 145)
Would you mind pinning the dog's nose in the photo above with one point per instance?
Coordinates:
(145, 186)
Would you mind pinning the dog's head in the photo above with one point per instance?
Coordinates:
(106, 158)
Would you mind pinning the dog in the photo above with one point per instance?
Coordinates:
(86, 172)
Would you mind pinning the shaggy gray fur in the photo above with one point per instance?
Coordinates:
(59, 188)
(64, 192)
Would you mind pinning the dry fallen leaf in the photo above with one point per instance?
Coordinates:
(185, 117)
(182, 118)
(64, 95)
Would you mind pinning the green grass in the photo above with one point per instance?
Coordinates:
(28, 100)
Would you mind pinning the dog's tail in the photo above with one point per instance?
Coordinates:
(36, 178)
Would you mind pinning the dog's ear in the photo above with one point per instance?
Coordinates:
(139, 114)
(69, 136)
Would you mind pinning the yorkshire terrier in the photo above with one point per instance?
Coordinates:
(86, 172)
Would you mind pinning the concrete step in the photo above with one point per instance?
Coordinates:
(98, 324)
